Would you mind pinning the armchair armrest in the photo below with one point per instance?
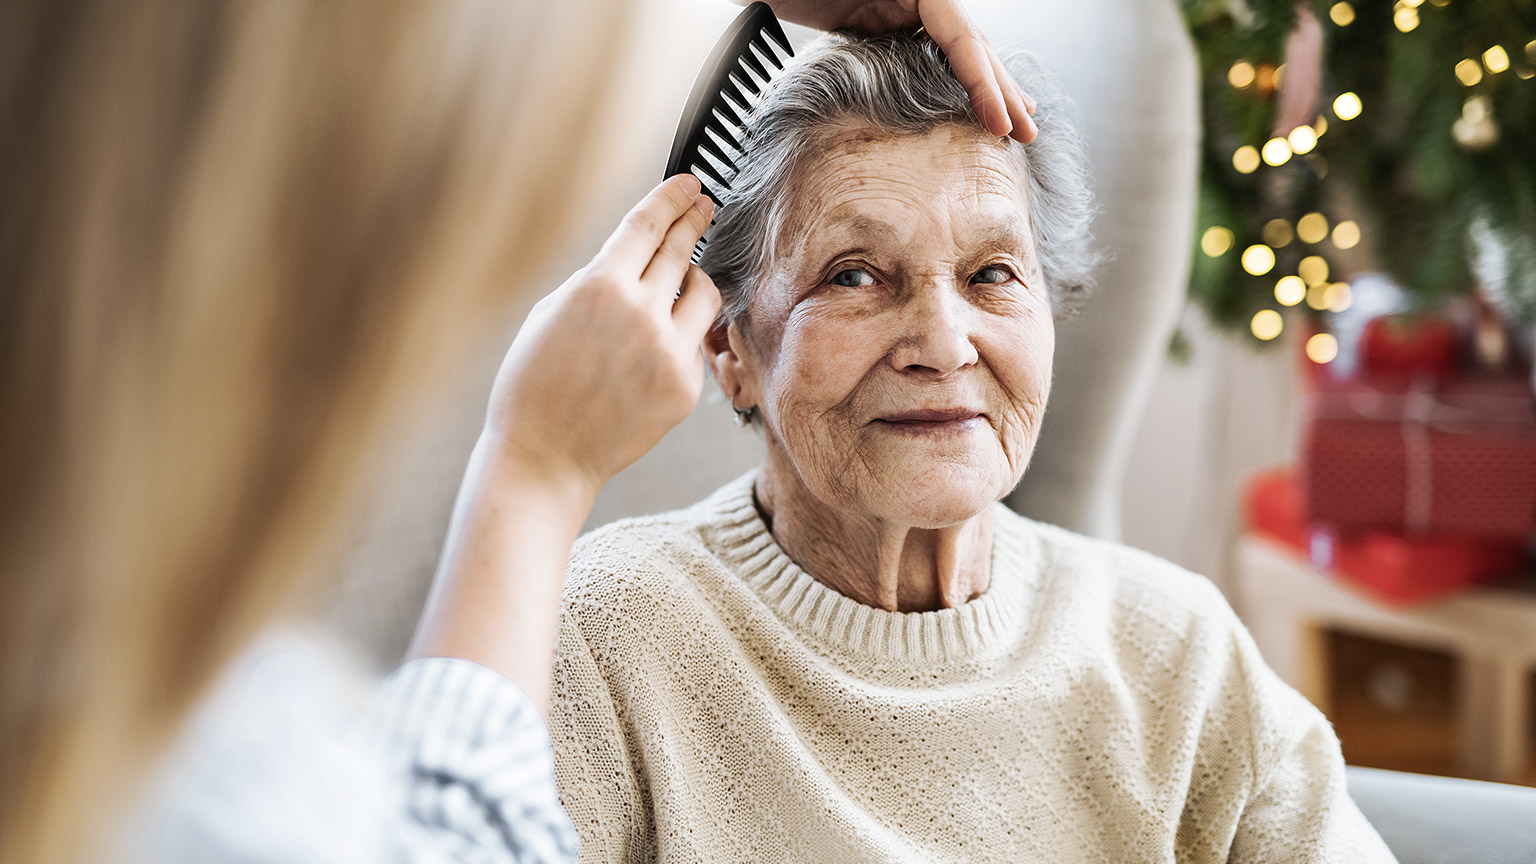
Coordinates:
(1440, 820)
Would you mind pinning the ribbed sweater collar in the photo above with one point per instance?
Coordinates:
(992, 621)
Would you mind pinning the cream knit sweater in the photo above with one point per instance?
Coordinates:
(715, 703)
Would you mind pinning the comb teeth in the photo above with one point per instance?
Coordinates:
(742, 79)
(726, 136)
(728, 113)
(750, 60)
(711, 140)
(774, 35)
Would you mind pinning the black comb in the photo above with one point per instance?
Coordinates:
(714, 126)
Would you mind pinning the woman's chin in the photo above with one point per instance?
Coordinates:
(936, 498)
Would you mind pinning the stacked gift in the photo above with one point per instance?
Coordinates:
(1417, 477)
(1392, 566)
(1456, 458)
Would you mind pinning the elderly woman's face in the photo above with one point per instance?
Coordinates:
(900, 348)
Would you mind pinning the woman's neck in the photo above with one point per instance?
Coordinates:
(898, 568)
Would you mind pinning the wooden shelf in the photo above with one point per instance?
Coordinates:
(1469, 662)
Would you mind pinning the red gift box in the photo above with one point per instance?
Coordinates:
(1457, 459)
(1396, 569)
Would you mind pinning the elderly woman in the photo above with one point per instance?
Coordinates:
(855, 653)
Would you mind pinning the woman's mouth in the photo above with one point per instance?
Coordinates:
(931, 421)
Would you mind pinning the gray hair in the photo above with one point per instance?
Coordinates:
(900, 84)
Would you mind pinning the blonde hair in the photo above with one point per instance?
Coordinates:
(234, 237)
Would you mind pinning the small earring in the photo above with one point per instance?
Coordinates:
(742, 417)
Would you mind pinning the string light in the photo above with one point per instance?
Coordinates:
(1346, 234)
(1313, 269)
(1342, 14)
(1290, 290)
(1347, 106)
(1216, 241)
(1277, 233)
(1530, 49)
(1264, 77)
(1317, 296)
(1475, 129)
(1246, 159)
(1258, 259)
(1276, 152)
(1266, 324)
(1525, 72)
(1337, 297)
(1312, 228)
(1320, 126)
(1302, 139)
(1496, 59)
(1322, 348)
(1241, 74)
(1405, 16)
(1468, 72)
(1441, 3)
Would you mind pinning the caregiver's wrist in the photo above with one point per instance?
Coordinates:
(557, 486)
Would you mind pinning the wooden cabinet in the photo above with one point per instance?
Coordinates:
(1442, 689)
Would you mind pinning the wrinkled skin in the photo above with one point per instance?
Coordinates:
(905, 282)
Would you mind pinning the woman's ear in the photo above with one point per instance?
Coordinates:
(725, 350)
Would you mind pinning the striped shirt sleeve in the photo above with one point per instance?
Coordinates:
(478, 765)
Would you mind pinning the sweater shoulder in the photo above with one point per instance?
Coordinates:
(644, 548)
(1135, 582)
(620, 569)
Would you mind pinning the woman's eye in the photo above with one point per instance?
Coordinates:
(991, 276)
(853, 279)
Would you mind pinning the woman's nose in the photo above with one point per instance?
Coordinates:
(938, 335)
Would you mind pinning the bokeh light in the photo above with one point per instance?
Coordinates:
(1312, 228)
(1347, 106)
(1322, 348)
(1258, 259)
(1276, 151)
(1496, 59)
(1313, 269)
(1241, 74)
(1277, 233)
(1337, 297)
(1346, 234)
(1290, 290)
(1302, 139)
(1469, 72)
(1342, 14)
(1246, 159)
(1266, 324)
(1216, 241)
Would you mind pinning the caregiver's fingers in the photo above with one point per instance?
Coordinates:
(630, 248)
(970, 58)
(695, 311)
(670, 263)
(1020, 106)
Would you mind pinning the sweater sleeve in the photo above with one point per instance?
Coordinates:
(477, 764)
(1300, 809)
(598, 783)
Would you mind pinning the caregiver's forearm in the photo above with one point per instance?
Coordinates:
(495, 599)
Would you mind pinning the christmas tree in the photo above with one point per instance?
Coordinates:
(1420, 163)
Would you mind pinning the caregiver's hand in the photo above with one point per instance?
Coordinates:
(607, 363)
(1002, 106)
(602, 368)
